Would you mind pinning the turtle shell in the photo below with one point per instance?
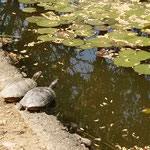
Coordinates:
(15, 90)
(37, 97)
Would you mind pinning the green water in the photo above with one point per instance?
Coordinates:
(93, 93)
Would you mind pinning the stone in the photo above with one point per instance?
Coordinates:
(86, 141)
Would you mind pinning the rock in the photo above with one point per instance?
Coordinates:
(86, 142)
(77, 136)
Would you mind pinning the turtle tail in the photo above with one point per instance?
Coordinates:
(53, 84)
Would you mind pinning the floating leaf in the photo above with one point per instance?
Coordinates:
(68, 17)
(125, 62)
(142, 69)
(102, 28)
(93, 22)
(73, 42)
(146, 110)
(46, 30)
(66, 9)
(46, 38)
(29, 9)
(64, 35)
(27, 1)
(86, 46)
(99, 42)
(110, 21)
(142, 55)
(96, 15)
(48, 23)
(80, 27)
(34, 19)
(127, 53)
(86, 33)
(146, 26)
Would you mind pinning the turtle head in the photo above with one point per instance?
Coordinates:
(53, 84)
(37, 75)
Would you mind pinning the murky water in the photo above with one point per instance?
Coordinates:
(99, 97)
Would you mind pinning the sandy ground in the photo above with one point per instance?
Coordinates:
(22, 130)
(14, 132)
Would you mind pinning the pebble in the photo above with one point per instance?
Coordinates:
(86, 141)
(2, 122)
(77, 136)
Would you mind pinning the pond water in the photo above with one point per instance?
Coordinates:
(105, 100)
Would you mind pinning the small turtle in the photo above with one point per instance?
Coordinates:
(15, 90)
(38, 97)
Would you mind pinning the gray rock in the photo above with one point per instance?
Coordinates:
(86, 141)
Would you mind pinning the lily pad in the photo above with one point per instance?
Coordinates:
(46, 30)
(93, 22)
(29, 9)
(80, 27)
(110, 21)
(66, 9)
(34, 19)
(142, 69)
(85, 33)
(73, 42)
(125, 62)
(64, 35)
(102, 28)
(46, 38)
(96, 15)
(99, 42)
(48, 23)
(142, 55)
(27, 1)
(127, 53)
(86, 46)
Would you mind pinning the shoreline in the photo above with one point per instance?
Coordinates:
(49, 130)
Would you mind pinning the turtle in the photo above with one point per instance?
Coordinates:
(38, 98)
(15, 90)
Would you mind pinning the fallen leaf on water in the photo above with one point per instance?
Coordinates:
(97, 139)
(63, 70)
(35, 64)
(146, 110)
(111, 124)
(53, 66)
(96, 145)
(60, 63)
(96, 120)
(26, 56)
(105, 103)
(111, 101)
(23, 51)
(103, 127)
(106, 98)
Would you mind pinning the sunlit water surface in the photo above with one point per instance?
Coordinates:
(105, 100)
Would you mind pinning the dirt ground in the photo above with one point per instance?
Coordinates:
(14, 132)
(18, 128)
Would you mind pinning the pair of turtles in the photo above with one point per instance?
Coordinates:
(32, 97)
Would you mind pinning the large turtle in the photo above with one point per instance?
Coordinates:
(38, 97)
(15, 90)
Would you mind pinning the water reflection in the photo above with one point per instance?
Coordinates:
(93, 93)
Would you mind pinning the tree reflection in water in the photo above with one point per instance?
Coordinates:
(93, 93)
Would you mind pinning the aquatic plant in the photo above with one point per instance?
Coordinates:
(70, 23)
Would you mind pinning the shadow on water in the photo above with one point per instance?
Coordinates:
(105, 100)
